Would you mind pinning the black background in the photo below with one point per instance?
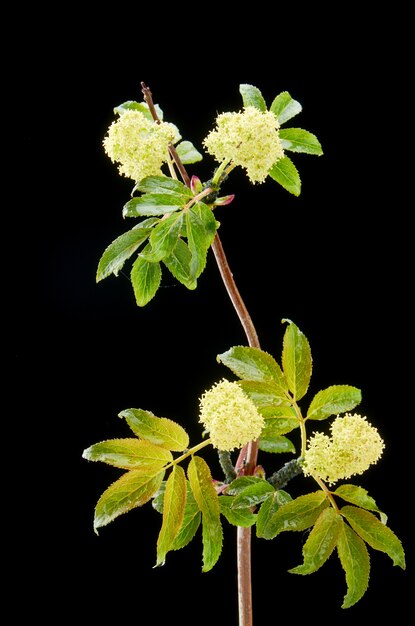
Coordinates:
(336, 261)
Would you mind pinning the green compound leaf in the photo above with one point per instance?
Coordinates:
(333, 400)
(296, 360)
(252, 494)
(201, 229)
(122, 248)
(360, 497)
(208, 502)
(179, 264)
(320, 542)
(132, 490)
(145, 278)
(375, 533)
(153, 204)
(284, 107)
(255, 365)
(355, 561)
(286, 174)
(164, 238)
(275, 444)
(188, 153)
(173, 512)
(298, 514)
(236, 516)
(164, 185)
(129, 454)
(267, 510)
(299, 140)
(161, 431)
(252, 97)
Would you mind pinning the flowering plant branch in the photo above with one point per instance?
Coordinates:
(256, 410)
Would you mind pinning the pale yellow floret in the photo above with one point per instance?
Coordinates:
(230, 417)
(138, 145)
(354, 445)
(249, 139)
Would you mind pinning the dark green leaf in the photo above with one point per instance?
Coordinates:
(296, 360)
(145, 278)
(375, 533)
(320, 542)
(188, 153)
(333, 400)
(164, 237)
(359, 497)
(275, 444)
(298, 514)
(253, 364)
(164, 185)
(284, 107)
(355, 561)
(173, 512)
(278, 421)
(208, 502)
(201, 229)
(133, 489)
(153, 204)
(299, 140)
(252, 97)
(178, 262)
(122, 248)
(238, 485)
(285, 173)
(159, 430)
(129, 454)
(236, 516)
(267, 510)
(252, 494)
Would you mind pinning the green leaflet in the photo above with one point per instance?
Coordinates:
(286, 174)
(208, 502)
(178, 262)
(376, 534)
(236, 516)
(359, 497)
(267, 510)
(296, 360)
(145, 278)
(173, 512)
(264, 394)
(284, 107)
(278, 421)
(133, 489)
(299, 140)
(138, 106)
(333, 400)
(275, 443)
(201, 229)
(188, 153)
(121, 249)
(191, 516)
(164, 185)
(164, 238)
(252, 97)
(252, 494)
(320, 542)
(129, 454)
(153, 204)
(355, 561)
(255, 365)
(298, 514)
(159, 430)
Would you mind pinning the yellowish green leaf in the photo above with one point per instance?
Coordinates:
(173, 512)
(129, 454)
(355, 561)
(159, 430)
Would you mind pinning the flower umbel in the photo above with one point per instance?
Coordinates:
(249, 139)
(230, 416)
(138, 144)
(354, 446)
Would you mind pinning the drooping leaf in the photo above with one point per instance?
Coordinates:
(298, 514)
(359, 497)
(201, 229)
(153, 204)
(178, 262)
(132, 490)
(299, 140)
(164, 238)
(252, 97)
(286, 174)
(129, 454)
(284, 107)
(320, 542)
(122, 248)
(145, 278)
(159, 430)
(333, 400)
(275, 443)
(173, 512)
(267, 510)
(236, 516)
(253, 364)
(208, 502)
(375, 533)
(355, 561)
(265, 394)
(188, 153)
(191, 521)
(252, 494)
(164, 185)
(296, 360)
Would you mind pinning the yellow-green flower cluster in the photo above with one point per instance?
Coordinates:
(138, 144)
(230, 417)
(249, 139)
(354, 445)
